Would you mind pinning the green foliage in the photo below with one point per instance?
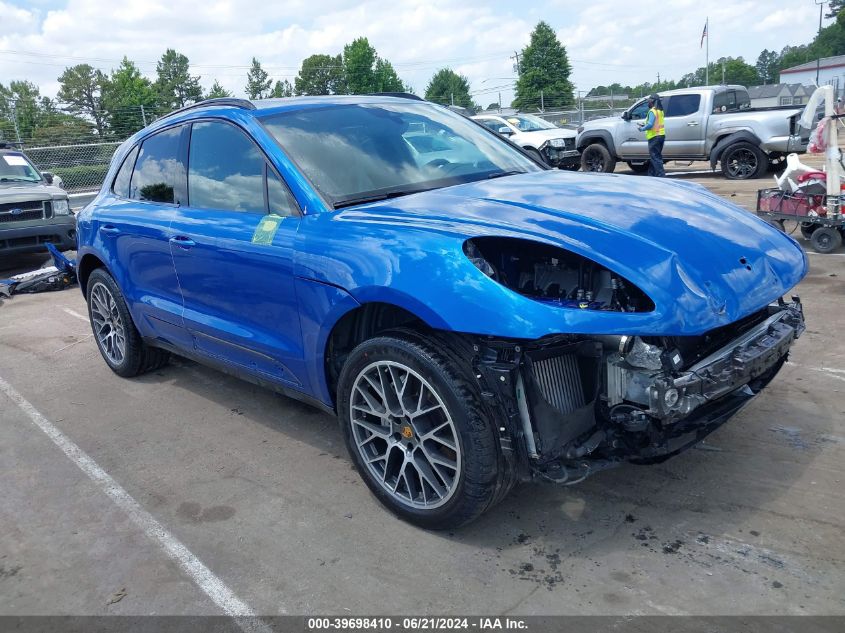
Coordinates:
(385, 78)
(446, 85)
(320, 75)
(125, 93)
(359, 59)
(81, 87)
(258, 82)
(281, 89)
(81, 176)
(544, 68)
(174, 84)
(217, 91)
(768, 66)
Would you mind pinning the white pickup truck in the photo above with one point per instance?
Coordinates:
(715, 123)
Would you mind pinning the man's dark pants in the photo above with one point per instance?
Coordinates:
(655, 153)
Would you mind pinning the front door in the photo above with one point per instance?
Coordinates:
(631, 141)
(232, 246)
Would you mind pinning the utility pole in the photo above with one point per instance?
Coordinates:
(15, 119)
(452, 97)
(723, 73)
(707, 53)
(143, 115)
(542, 103)
(657, 87)
(819, 59)
(500, 103)
(517, 67)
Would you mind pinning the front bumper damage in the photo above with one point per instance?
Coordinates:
(570, 406)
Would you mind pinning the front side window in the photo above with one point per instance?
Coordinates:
(159, 174)
(683, 105)
(225, 169)
(124, 175)
(360, 152)
(639, 111)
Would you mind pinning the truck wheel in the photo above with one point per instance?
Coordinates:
(826, 239)
(413, 425)
(535, 154)
(117, 337)
(638, 168)
(808, 228)
(597, 158)
(742, 161)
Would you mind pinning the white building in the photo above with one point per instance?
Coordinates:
(831, 71)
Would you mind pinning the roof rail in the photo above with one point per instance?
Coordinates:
(401, 95)
(230, 102)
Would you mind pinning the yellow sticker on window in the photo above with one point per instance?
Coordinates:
(266, 229)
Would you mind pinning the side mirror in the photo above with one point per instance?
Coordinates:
(626, 116)
(47, 176)
(505, 131)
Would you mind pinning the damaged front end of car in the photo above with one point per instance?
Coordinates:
(570, 405)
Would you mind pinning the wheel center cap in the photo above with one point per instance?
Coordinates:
(407, 431)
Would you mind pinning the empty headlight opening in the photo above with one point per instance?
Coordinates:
(553, 275)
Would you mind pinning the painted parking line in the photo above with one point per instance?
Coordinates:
(195, 569)
(76, 314)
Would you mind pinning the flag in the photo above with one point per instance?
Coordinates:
(703, 35)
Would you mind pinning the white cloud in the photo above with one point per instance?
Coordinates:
(607, 40)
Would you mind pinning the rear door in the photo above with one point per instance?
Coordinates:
(232, 245)
(684, 132)
(132, 226)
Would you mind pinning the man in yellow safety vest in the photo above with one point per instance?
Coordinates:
(655, 134)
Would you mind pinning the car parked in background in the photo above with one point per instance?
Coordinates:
(711, 123)
(473, 320)
(542, 139)
(34, 209)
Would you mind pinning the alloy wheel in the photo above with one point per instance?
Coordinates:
(405, 435)
(742, 164)
(108, 324)
(594, 161)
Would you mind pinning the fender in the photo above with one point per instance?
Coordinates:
(592, 136)
(723, 143)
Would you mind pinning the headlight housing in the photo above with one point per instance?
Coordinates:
(557, 142)
(61, 207)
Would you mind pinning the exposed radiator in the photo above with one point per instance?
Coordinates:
(560, 382)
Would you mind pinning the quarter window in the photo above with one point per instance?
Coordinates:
(124, 174)
(159, 174)
(226, 169)
(279, 199)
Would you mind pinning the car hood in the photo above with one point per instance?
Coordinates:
(24, 191)
(704, 261)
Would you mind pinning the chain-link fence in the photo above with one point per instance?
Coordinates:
(574, 118)
(81, 166)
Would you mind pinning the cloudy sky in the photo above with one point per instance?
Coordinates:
(607, 40)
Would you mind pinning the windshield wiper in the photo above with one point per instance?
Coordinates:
(375, 197)
(8, 179)
(502, 174)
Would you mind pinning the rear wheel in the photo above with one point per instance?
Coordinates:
(597, 158)
(117, 337)
(826, 239)
(414, 427)
(742, 161)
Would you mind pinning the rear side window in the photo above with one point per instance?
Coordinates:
(159, 174)
(683, 105)
(124, 174)
(225, 169)
(731, 101)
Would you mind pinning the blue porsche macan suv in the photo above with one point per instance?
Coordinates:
(473, 318)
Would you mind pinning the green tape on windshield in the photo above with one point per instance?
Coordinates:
(266, 229)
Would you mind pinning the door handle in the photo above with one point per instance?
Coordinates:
(109, 229)
(692, 123)
(182, 241)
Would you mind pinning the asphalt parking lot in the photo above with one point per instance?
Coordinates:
(259, 491)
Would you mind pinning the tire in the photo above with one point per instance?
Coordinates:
(638, 168)
(597, 158)
(457, 472)
(535, 154)
(778, 224)
(117, 338)
(826, 239)
(807, 229)
(743, 161)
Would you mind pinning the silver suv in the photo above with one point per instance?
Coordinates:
(34, 209)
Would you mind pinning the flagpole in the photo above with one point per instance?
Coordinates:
(707, 57)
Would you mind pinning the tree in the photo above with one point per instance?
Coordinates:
(544, 71)
(359, 58)
(258, 82)
(447, 87)
(22, 109)
(281, 89)
(834, 7)
(175, 86)
(130, 100)
(768, 66)
(493, 106)
(385, 78)
(81, 88)
(217, 91)
(320, 75)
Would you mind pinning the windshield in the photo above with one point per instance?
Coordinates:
(360, 152)
(529, 123)
(15, 167)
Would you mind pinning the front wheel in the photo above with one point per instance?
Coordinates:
(414, 427)
(597, 158)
